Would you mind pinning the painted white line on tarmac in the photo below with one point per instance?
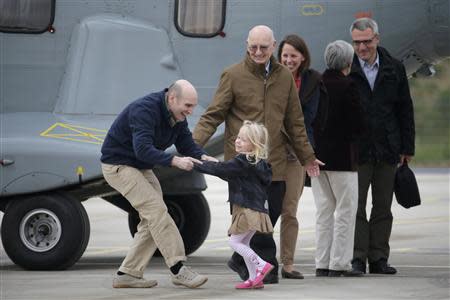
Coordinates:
(105, 250)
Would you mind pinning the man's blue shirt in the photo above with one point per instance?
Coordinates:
(141, 133)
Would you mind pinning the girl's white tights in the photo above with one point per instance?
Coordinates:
(241, 244)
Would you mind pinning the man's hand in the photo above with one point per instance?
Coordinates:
(184, 163)
(209, 158)
(313, 168)
(405, 158)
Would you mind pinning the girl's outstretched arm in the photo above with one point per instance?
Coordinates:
(223, 170)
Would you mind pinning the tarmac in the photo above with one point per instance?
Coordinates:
(419, 251)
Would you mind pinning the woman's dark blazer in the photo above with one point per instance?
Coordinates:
(336, 146)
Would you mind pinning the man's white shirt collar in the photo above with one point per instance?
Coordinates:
(365, 64)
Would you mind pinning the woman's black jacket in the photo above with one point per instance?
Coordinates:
(336, 146)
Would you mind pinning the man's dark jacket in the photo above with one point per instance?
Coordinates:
(388, 109)
(247, 182)
(336, 145)
(141, 133)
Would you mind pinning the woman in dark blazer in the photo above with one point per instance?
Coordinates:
(294, 54)
(336, 189)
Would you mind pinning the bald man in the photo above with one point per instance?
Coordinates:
(135, 143)
(260, 89)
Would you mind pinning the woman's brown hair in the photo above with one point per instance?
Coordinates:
(299, 44)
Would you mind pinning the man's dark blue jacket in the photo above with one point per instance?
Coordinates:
(247, 182)
(141, 133)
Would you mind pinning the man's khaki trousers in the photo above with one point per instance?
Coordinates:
(156, 229)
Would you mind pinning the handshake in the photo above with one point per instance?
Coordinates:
(187, 163)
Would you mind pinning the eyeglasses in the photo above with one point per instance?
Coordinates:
(365, 42)
(254, 48)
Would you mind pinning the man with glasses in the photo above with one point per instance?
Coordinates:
(385, 97)
(260, 89)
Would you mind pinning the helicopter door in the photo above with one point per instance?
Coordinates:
(112, 61)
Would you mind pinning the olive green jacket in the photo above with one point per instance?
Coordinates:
(245, 94)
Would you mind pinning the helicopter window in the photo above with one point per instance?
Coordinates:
(200, 18)
(26, 16)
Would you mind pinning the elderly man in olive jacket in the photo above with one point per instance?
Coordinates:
(260, 89)
(387, 104)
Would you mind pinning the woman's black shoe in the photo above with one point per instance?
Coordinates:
(291, 275)
(345, 273)
(322, 272)
(359, 265)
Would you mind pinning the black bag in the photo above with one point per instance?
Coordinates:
(405, 187)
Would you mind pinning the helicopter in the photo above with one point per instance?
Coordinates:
(67, 68)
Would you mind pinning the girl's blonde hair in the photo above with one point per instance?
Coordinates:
(259, 137)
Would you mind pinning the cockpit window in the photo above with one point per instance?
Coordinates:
(200, 18)
(26, 16)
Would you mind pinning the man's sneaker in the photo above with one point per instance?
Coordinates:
(188, 278)
(128, 281)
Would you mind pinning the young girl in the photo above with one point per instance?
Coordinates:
(248, 176)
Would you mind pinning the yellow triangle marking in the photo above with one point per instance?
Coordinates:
(49, 129)
(82, 134)
(68, 134)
